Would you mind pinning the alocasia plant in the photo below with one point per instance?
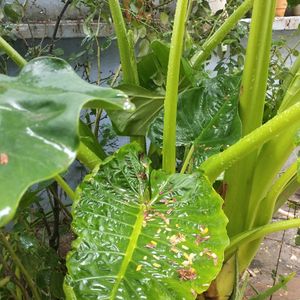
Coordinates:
(145, 233)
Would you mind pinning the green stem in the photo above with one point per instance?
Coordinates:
(130, 75)
(257, 233)
(170, 105)
(216, 164)
(12, 53)
(87, 157)
(270, 200)
(239, 177)
(64, 208)
(254, 83)
(97, 122)
(65, 187)
(289, 190)
(140, 139)
(292, 94)
(19, 264)
(187, 160)
(116, 75)
(283, 181)
(18, 289)
(290, 76)
(98, 51)
(220, 34)
(127, 56)
(270, 161)
(276, 287)
(188, 12)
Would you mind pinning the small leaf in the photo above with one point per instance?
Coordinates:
(153, 67)
(13, 11)
(39, 117)
(148, 104)
(269, 292)
(144, 235)
(58, 52)
(143, 47)
(164, 18)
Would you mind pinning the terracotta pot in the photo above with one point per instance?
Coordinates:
(281, 6)
(296, 10)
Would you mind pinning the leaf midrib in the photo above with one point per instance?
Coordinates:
(129, 251)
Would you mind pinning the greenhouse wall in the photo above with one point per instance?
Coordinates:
(42, 14)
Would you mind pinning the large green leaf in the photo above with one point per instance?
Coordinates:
(144, 235)
(39, 115)
(148, 104)
(207, 116)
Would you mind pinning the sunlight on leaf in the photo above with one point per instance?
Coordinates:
(39, 117)
(143, 234)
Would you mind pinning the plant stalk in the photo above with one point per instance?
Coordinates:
(170, 105)
(292, 94)
(289, 190)
(65, 187)
(187, 159)
(252, 100)
(254, 82)
(130, 75)
(127, 56)
(12, 53)
(289, 78)
(216, 164)
(19, 264)
(273, 194)
(257, 233)
(87, 157)
(209, 45)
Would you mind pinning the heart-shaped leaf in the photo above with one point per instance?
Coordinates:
(39, 117)
(148, 104)
(207, 116)
(144, 235)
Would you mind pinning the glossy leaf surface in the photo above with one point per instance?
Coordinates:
(39, 116)
(148, 104)
(207, 116)
(144, 235)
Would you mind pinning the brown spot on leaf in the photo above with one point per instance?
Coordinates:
(163, 217)
(241, 90)
(187, 274)
(3, 159)
(176, 239)
(151, 245)
(142, 176)
(200, 239)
